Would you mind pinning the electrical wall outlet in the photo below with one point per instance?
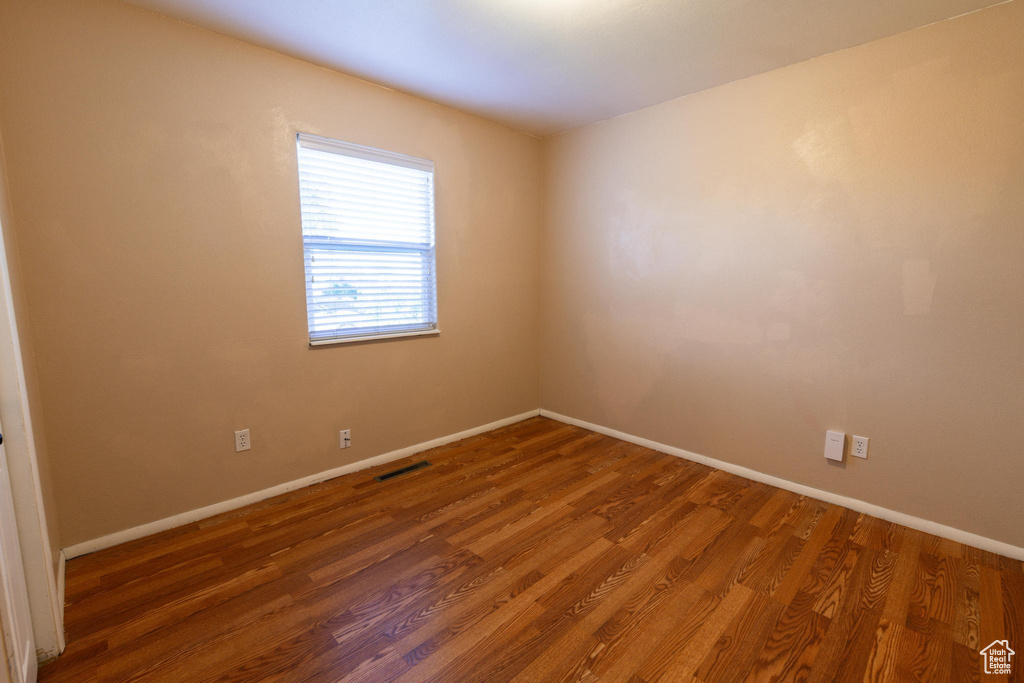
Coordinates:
(346, 438)
(834, 442)
(242, 442)
(860, 447)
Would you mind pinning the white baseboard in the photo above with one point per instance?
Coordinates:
(925, 525)
(184, 518)
(61, 568)
(48, 654)
(159, 525)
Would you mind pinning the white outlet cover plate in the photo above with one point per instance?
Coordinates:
(834, 445)
(853, 449)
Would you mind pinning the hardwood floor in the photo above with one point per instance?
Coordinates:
(539, 552)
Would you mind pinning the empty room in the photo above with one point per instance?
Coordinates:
(511, 340)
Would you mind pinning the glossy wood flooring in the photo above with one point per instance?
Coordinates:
(539, 552)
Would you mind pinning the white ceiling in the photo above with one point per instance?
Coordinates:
(546, 66)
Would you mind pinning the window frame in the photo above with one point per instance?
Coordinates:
(330, 145)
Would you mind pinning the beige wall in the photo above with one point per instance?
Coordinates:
(837, 244)
(153, 182)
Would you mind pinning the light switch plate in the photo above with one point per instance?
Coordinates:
(834, 442)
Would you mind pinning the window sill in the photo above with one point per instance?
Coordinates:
(374, 337)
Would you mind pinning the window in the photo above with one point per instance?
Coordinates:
(368, 240)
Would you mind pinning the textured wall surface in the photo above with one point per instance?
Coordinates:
(153, 186)
(834, 245)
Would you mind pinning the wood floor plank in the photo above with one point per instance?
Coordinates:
(926, 653)
(884, 658)
(681, 652)
(793, 643)
(808, 555)
(734, 654)
(993, 616)
(592, 645)
(538, 552)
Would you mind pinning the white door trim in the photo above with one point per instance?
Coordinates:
(26, 489)
(15, 618)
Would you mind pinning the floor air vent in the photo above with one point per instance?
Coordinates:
(391, 475)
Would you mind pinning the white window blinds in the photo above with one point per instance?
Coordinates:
(368, 238)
